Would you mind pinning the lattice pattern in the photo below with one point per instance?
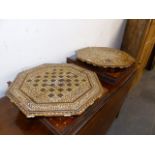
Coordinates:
(55, 90)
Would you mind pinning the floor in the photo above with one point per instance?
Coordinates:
(137, 116)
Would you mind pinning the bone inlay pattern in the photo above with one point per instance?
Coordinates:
(55, 90)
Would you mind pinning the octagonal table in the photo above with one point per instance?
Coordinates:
(95, 120)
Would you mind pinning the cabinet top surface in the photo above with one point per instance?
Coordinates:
(17, 122)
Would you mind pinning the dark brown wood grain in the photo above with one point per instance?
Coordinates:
(103, 119)
(12, 121)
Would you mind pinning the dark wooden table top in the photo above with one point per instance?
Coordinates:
(12, 121)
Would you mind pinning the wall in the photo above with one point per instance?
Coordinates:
(26, 43)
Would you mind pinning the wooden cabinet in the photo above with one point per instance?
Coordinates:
(138, 40)
(95, 120)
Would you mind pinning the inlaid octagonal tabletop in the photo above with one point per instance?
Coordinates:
(105, 57)
(55, 90)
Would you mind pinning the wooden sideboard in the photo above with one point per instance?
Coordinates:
(95, 120)
(138, 40)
